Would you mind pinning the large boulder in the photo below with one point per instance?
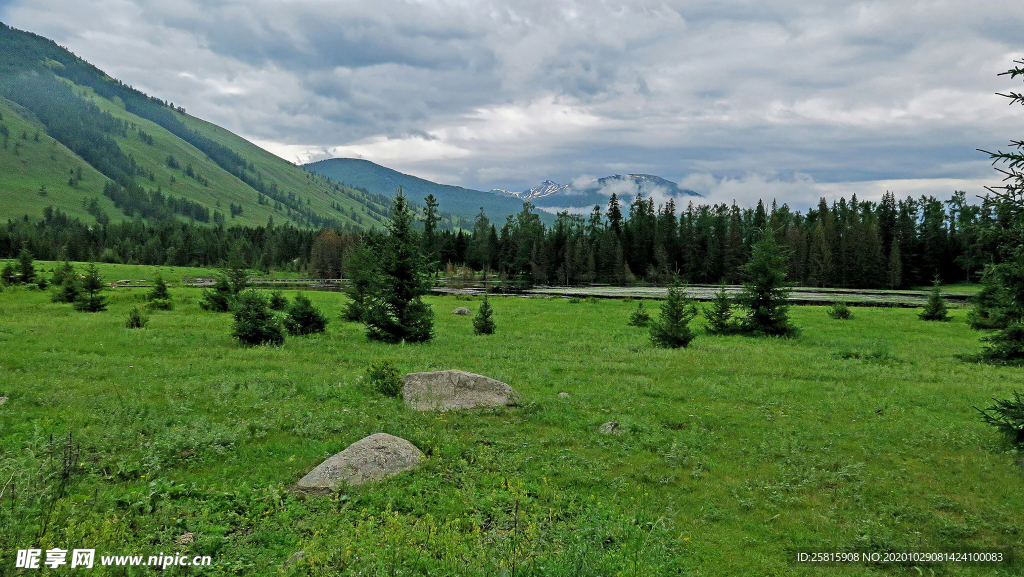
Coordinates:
(453, 390)
(462, 311)
(370, 459)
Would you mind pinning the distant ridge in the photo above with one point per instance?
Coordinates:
(550, 194)
(379, 179)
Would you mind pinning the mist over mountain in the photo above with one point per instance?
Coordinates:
(585, 193)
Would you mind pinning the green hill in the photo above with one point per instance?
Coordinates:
(77, 140)
(382, 180)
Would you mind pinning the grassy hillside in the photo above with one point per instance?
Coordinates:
(129, 139)
(383, 180)
(857, 436)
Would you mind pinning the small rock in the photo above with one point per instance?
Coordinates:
(3, 400)
(611, 428)
(294, 558)
(564, 395)
(369, 459)
(462, 311)
(454, 390)
(186, 538)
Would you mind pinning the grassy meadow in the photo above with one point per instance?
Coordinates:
(857, 436)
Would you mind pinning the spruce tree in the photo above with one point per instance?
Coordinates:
(160, 296)
(395, 311)
(672, 330)
(69, 290)
(765, 294)
(89, 299)
(935, 309)
(483, 323)
(255, 323)
(304, 318)
(639, 317)
(220, 299)
(25, 266)
(719, 316)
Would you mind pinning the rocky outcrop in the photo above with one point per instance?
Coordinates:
(454, 390)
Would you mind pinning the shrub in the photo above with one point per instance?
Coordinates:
(719, 319)
(220, 299)
(1005, 346)
(1008, 417)
(935, 308)
(839, 311)
(61, 273)
(672, 329)
(639, 317)
(160, 305)
(384, 379)
(135, 319)
(255, 323)
(304, 318)
(278, 301)
(89, 299)
(483, 323)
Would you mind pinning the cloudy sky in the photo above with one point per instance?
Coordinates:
(737, 99)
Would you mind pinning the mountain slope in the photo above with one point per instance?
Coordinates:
(139, 157)
(382, 180)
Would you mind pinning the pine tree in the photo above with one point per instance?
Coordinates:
(765, 294)
(69, 290)
(395, 311)
(1007, 345)
(483, 323)
(25, 266)
(935, 309)
(220, 299)
(304, 318)
(160, 296)
(640, 317)
(719, 316)
(89, 299)
(255, 323)
(672, 330)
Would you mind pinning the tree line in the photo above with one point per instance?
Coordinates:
(853, 244)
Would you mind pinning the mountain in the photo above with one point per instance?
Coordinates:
(81, 142)
(553, 196)
(378, 179)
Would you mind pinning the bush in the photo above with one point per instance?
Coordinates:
(304, 318)
(574, 301)
(135, 319)
(384, 379)
(255, 323)
(220, 299)
(839, 311)
(935, 308)
(639, 317)
(483, 323)
(61, 273)
(1005, 346)
(278, 301)
(719, 319)
(1008, 417)
(160, 305)
(672, 329)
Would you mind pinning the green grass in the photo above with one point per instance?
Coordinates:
(858, 435)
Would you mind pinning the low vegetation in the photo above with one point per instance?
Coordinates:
(188, 442)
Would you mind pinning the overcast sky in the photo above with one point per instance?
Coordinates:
(736, 99)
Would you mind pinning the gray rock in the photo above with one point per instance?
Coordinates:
(370, 459)
(564, 395)
(3, 400)
(453, 390)
(293, 559)
(462, 311)
(610, 428)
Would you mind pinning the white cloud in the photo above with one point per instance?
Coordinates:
(788, 98)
